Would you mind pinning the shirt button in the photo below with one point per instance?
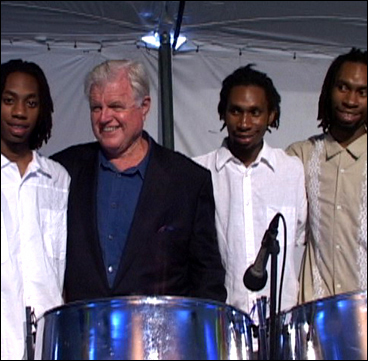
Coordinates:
(338, 285)
(338, 207)
(338, 246)
(113, 205)
(342, 170)
(110, 269)
(111, 236)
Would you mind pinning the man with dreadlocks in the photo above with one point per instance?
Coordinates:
(34, 194)
(335, 163)
(252, 183)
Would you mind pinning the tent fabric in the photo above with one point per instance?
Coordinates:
(317, 26)
(293, 42)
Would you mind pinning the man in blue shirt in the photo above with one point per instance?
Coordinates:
(140, 217)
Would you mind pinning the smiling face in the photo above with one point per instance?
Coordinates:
(117, 121)
(20, 109)
(349, 99)
(247, 118)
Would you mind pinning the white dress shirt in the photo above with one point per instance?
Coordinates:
(33, 245)
(247, 199)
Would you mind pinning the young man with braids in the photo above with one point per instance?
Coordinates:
(335, 162)
(252, 183)
(34, 194)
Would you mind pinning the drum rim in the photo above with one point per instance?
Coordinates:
(138, 300)
(360, 295)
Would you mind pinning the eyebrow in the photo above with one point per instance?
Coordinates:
(243, 108)
(350, 84)
(14, 94)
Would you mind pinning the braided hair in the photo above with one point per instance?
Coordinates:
(42, 131)
(325, 102)
(245, 76)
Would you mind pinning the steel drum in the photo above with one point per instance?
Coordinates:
(333, 328)
(144, 328)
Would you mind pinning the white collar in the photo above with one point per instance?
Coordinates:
(37, 164)
(223, 156)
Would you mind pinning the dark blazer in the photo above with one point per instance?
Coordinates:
(172, 246)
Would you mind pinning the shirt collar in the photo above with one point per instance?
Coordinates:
(4, 161)
(224, 156)
(140, 168)
(356, 148)
(38, 164)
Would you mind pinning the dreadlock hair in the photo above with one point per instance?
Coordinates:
(325, 102)
(42, 131)
(245, 76)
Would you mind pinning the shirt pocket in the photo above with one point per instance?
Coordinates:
(289, 214)
(4, 241)
(53, 224)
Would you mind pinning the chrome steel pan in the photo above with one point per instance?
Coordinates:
(333, 328)
(144, 328)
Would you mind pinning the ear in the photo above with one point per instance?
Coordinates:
(146, 105)
(271, 118)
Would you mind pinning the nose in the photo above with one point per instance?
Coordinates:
(244, 120)
(19, 110)
(105, 115)
(351, 99)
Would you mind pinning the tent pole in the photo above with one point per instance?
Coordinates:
(178, 23)
(165, 81)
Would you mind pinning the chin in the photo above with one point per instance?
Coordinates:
(350, 126)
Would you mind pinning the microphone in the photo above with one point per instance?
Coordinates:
(255, 277)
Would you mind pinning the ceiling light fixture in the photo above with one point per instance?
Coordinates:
(152, 40)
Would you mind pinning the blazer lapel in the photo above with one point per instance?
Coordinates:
(88, 198)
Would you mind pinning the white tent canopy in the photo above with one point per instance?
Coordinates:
(292, 41)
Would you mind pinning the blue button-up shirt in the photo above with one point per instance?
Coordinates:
(117, 198)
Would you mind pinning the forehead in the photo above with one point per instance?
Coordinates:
(248, 93)
(119, 87)
(21, 82)
(353, 72)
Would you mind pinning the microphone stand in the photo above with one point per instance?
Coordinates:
(274, 249)
(29, 336)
